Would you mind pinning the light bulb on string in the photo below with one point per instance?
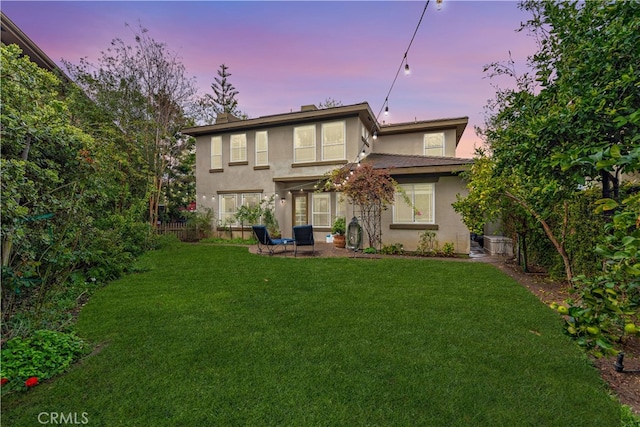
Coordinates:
(375, 135)
(439, 4)
(407, 70)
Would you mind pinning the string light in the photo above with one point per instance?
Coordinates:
(439, 4)
(407, 70)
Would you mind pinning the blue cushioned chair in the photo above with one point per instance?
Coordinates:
(303, 236)
(265, 241)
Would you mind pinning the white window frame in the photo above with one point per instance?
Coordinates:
(297, 148)
(419, 215)
(223, 213)
(341, 205)
(262, 153)
(216, 152)
(238, 147)
(248, 197)
(240, 199)
(315, 202)
(434, 144)
(327, 144)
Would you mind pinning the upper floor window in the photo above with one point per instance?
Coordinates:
(333, 146)
(421, 210)
(238, 148)
(216, 152)
(262, 148)
(434, 144)
(304, 144)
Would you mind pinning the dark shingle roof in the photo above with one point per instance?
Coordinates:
(400, 161)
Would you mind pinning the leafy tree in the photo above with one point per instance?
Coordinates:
(144, 90)
(603, 309)
(370, 190)
(181, 184)
(46, 168)
(573, 121)
(329, 103)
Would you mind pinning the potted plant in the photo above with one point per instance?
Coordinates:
(338, 230)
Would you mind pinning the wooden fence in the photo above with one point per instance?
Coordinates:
(183, 231)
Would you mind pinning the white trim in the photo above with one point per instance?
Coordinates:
(296, 140)
(241, 140)
(333, 144)
(266, 150)
(433, 141)
(216, 141)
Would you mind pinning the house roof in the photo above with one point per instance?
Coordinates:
(306, 114)
(11, 34)
(310, 113)
(460, 123)
(402, 164)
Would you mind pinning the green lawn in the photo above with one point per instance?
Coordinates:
(212, 335)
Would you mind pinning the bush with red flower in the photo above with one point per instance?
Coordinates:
(27, 361)
(31, 382)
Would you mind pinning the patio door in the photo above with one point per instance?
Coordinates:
(300, 209)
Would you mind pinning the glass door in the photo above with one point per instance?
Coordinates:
(300, 209)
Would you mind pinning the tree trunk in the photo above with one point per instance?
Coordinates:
(558, 245)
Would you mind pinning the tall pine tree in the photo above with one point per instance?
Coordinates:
(224, 99)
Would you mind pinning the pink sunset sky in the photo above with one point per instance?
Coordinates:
(286, 54)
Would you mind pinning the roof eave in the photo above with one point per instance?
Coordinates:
(363, 110)
(459, 123)
(11, 34)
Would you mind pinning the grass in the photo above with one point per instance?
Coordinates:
(213, 335)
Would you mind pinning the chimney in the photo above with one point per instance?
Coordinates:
(310, 107)
(226, 118)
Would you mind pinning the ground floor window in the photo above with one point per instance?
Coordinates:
(341, 205)
(321, 208)
(422, 207)
(228, 208)
(229, 204)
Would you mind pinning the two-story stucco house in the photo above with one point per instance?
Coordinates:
(242, 161)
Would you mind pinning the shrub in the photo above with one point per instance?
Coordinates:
(43, 355)
(427, 244)
(448, 249)
(199, 225)
(604, 309)
(394, 249)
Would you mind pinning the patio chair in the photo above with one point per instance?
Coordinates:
(303, 236)
(265, 241)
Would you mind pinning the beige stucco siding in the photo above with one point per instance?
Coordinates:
(399, 147)
(413, 143)
(247, 177)
(450, 228)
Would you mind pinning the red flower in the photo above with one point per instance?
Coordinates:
(31, 382)
(3, 381)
